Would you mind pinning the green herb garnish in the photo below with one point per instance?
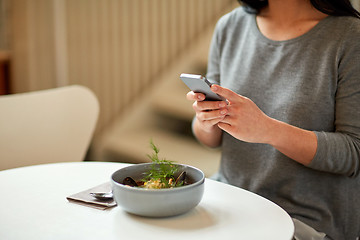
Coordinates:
(162, 171)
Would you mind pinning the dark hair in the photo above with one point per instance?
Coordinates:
(330, 7)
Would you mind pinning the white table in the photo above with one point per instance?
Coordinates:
(33, 205)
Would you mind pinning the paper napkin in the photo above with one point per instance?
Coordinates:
(84, 198)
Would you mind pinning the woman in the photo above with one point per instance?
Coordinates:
(290, 129)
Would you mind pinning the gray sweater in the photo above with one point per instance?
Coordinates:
(312, 82)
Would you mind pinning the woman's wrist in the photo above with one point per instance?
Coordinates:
(296, 143)
(210, 136)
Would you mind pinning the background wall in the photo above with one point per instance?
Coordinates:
(115, 47)
(356, 4)
(4, 38)
(124, 50)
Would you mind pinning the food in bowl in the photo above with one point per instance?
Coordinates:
(162, 199)
(158, 182)
(162, 174)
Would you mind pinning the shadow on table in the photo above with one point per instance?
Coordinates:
(198, 218)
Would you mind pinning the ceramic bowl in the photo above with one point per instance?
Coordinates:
(157, 202)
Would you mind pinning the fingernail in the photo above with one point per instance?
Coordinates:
(223, 112)
(214, 87)
(222, 104)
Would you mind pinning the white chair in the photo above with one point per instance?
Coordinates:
(46, 126)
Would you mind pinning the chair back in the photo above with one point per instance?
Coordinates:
(46, 126)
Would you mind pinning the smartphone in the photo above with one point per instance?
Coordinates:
(200, 84)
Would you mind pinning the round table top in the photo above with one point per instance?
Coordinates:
(34, 206)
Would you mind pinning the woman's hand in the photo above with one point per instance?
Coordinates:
(244, 120)
(208, 115)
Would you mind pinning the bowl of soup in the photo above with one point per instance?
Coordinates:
(143, 189)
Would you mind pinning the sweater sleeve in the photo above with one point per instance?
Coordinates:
(339, 151)
(213, 68)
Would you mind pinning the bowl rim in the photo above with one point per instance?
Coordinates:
(181, 188)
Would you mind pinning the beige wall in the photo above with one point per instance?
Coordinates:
(115, 47)
(4, 13)
(32, 45)
(356, 4)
